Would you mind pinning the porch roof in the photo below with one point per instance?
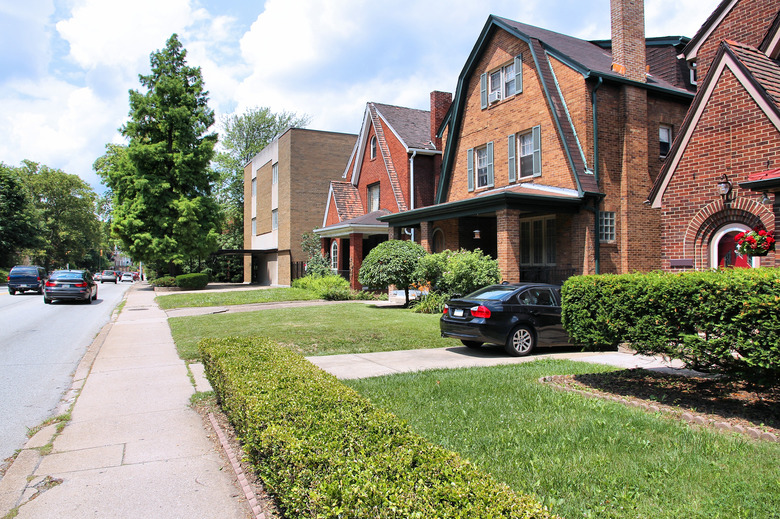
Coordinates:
(763, 181)
(365, 224)
(529, 198)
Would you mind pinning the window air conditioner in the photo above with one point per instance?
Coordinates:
(494, 97)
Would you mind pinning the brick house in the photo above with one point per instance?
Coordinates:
(722, 175)
(396, 154)
(552, 144)
(285, 186)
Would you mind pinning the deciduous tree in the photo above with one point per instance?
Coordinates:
(392, 262)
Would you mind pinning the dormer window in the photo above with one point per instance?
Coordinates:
(373, 147)
(664, 139)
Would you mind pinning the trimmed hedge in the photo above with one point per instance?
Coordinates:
(724, 321)
(326, 451)
(195, 281)
(165, 281)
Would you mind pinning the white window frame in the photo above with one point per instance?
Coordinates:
(274, 219)
(501, 83)
(334, 255)
(372, 199)
(481, 167)
(607, 226)
(538, 238)
(254, 226)
(527, 144)
(664, 139)
(473, 167)
(254, 187)
(275, 173)
(372, 147)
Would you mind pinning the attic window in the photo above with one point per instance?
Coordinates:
(373, 147)
(502, 83)
(664, 139)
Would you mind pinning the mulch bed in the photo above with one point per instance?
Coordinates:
(715, 399)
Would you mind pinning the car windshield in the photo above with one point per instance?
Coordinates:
(494, 292)
(66, 275)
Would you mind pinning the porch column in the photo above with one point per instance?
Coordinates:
(355, 259)
(425, 235)
(508, 237)
(394, 233)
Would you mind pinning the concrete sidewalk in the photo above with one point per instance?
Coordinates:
(133, 447)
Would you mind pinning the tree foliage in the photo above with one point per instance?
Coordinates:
(66, 205)
(19, 220)
(392, 262)
(316, 264)
(163, 209)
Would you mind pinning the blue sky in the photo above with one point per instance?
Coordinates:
(66, 65)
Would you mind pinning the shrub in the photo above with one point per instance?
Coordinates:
(331, 287)
(391, 262)
(192, 281)
(325, 451)
(165, 281)
(458, 273)
(724, 321)
(430, 303)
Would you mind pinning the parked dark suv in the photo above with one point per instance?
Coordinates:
(26, 277)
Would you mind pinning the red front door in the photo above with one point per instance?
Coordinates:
(727, 253)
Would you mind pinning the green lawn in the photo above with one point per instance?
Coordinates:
(583, 457)
(318, 330)
(235, 297)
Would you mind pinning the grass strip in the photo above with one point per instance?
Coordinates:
(235, 297)
(583, 457)
(317, 330)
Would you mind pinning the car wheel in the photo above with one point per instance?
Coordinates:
(40, 291)
(46, 300)
(12, 292)
(471, 344)
(520, 342)
(94, 298)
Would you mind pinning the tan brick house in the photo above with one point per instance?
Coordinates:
(552, 143)
(285, 188)
(393, 167)
(722, 175)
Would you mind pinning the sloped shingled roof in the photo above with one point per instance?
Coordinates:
(412, 126)
(765, 71)
(347, 200)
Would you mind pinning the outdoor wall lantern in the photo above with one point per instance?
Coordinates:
(476, 234)
(765, 199)
(724, 188)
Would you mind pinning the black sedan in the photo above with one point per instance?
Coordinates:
(75, 285)
(520, 316)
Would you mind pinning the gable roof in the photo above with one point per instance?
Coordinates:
(691, 50)
(591, 59)
(411, 126)
(347, 200)
(758, 75)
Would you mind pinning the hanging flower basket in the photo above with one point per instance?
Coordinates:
(757, 242)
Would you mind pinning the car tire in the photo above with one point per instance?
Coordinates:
(520, 342)
(94, 298)
(12, 292)
(471, 344)
(46, 300)
(40, 291)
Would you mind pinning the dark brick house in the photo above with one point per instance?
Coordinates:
(723, 171)
(551, 146)
(393, 167)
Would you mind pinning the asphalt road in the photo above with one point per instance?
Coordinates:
(40, 347)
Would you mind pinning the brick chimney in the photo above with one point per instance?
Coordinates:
(628, 39)
(440, 103)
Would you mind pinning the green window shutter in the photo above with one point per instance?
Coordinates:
(511, 153)
(470, 167)
(519, 74)
(483, 100)
(537, 138)
(490, 182)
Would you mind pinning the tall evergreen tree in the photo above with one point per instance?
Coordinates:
(164, 211)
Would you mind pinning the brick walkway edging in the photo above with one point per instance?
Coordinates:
(688, 417)
(249, 492)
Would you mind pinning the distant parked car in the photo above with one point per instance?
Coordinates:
(97, 276)
(136, 276)
(521, 316)
(26, 277)
(127, 276)
(109, 275)
(75, 285)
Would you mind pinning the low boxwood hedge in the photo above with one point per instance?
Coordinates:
(165, 281)
(325, 451)
(723, 321)
(195, 281)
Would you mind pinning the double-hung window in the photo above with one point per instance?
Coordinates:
(480, 167)
(664, 139)
(525, 154)
(502, 83)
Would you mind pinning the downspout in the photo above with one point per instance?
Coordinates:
(411, 183)
(597, 202)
